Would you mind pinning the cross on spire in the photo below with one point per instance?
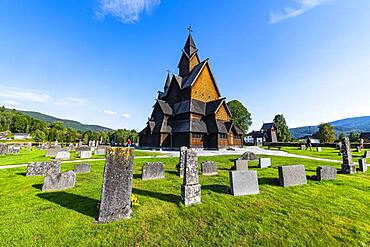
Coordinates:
(190, 29)
(168, 71)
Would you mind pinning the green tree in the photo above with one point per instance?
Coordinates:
(282, 132)
(341, 136)
(241, 115)
(354, 137)
(39, 136)
(326, 133)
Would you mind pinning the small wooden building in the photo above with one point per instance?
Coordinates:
(190, 111)
(270, 130)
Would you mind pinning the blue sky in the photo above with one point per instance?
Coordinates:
(102, 61)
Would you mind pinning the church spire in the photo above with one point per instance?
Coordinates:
(168, 80)
(189, 58)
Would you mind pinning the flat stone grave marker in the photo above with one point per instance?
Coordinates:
(63, 155)
(117, 185)
(59, 181)
(363, 165)
(243, 183)
(303, 147)
(367, 154)
(326, 173)
(209, 168)
(100, 151)
(264, 162)
(248, 156)
(43, 168)
(52, 152)
(191, 189)
(85, 154)
(240, 165)
(152, 170)
(82, 168)
(292, 175)
(319, 149)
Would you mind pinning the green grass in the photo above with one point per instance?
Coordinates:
(330, 213)
(26, 156)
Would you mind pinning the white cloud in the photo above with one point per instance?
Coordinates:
(24, 94)
(110, 112)
(126, 115)
(11, 103)
(126, 11)
(303, 7)
(71, 101)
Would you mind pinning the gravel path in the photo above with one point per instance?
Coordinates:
(237, 151)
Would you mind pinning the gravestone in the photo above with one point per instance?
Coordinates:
(83, 148)
(292, 175)
(43, 168)
(240, 165)
(326, 173)
(152, 170)
(347, 167)
(303, 147)
(339, 146)
(191, 189)
(117, 185)
(3, 149)
(248, 156)
(264, 163)
(85, 154)
(209, 168)
(63, 155)
(358, 149)
(181, 164)
(319, 149)
(82, 168)
(13, 149)
(367, 154)
(52, 152)
(59, 181)
(100, 151)
(363, 165)
(243, 183)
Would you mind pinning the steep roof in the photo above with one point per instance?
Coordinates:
(166, 108)
(212, 106)
(189, 79)
(194, 106)
(268, 126)
(190, 47)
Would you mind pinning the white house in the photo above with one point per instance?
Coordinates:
(21, 136)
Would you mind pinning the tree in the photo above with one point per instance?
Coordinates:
(326, 133)
(341, 136)
(241, 115)
(39, 136)
(354, 137)
(282, 132)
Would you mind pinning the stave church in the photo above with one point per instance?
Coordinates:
(190, 110)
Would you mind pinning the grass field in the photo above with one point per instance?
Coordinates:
(330, 213)
(26, 156)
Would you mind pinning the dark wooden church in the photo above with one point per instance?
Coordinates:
(190, 111)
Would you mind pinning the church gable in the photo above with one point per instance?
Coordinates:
(204, 88)
(223, 113)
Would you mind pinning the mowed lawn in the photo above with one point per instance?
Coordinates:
(26, 156)
(330, 213)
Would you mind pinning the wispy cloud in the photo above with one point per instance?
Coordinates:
(126, 115)
(71, 101)
(126, 11)
(11, 93)
(110, 112)
(288, 12)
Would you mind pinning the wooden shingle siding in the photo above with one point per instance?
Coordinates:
(223, 114)
(204, 88)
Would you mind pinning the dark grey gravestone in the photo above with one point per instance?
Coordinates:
(82, 168)
(292, 175)
(85, 154)
(240, 165)
(52, 152)
(59, 181)
(264, 162)
(117, 185)
(191, 189)
(248, 156)
(347, 167)
(363, 165)
(243, 183)
(326, 173)
(63, 155)
(209, 168)
(367, 154)
(153, 170)
(43, 168)
(181, 164)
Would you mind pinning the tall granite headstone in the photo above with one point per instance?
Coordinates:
(152, 170)
(85, 154)
(59, 181)
(362, 165)
(326, 173)
(181, 164)
(347, 167)
(209, 168)
(43, 168)
(191, 189)
(292, 175)
(243, 183)
(117, 185)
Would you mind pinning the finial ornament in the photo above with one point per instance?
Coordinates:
(168, 71)
(190, 29)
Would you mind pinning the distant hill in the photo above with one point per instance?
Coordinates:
(346, 126)
(67, 123)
